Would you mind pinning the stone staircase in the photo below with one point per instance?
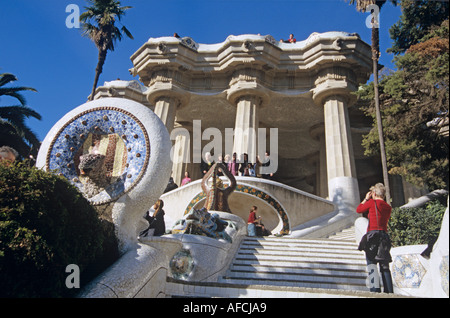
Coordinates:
(275, 267)
(319, 263)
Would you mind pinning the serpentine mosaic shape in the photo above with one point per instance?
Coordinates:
(112, 134)
(253, 192)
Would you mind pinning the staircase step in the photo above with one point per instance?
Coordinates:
(326, 266)
(301, 269)
(308, 283)
(241, 289)
(299, 263)
(305, 256)
(294, 262)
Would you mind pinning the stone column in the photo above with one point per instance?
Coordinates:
(167, 98)
(246, 126)
(318, 133)
(165, 109)
(181, 152)
(333, 94)
(248, 98)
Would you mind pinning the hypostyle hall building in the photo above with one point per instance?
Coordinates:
(304, 90)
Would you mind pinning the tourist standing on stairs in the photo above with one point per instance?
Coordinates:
(376, 242)
(252, 221)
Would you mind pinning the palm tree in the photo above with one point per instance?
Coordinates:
(99, 25)
(13, 130)
(362, 5)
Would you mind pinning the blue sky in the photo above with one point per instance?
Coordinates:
(37, 47)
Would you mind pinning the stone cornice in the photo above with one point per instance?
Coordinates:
(276, 67)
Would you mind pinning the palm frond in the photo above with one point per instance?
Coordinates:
(6, 78)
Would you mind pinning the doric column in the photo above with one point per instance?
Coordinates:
(332, 92)
(318, 133)
(248, 97)
(246, 126)
(167, 98)
(181, 152)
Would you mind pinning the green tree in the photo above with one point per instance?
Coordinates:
(45, 225)
(14, 132)
(99, 24)
(413, 226)
(417, 18)
(414, 95)
(363, 5)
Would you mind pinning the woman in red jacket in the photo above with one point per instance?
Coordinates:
(376, 243)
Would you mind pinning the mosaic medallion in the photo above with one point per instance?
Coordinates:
(103, 151)
(182, 264)
(407, 271)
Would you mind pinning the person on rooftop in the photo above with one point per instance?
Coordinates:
(290, 40)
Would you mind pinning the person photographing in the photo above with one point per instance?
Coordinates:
(376, 243)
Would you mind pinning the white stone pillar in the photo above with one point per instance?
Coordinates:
(341, 170)
(167, 99)
(248, 97)
(181, 152)
(165, 109)
(246, 126)
(318, 133)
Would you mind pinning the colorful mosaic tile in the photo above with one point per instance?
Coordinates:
(182, 264)
(109, 131)
(407, 271)
(253, 192)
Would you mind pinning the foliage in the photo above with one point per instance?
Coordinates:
(410, 98)
(99, 24)
(418, 16)
(414, 226)
(13, 130)
(45, 225)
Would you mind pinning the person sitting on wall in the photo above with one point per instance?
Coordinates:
(252, 221)
(261, 229)
(157, 226)
(290, 40)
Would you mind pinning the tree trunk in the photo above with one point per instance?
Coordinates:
(375, 56)
(98, 70)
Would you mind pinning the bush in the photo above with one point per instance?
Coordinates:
(45, 225)
(412, 226)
